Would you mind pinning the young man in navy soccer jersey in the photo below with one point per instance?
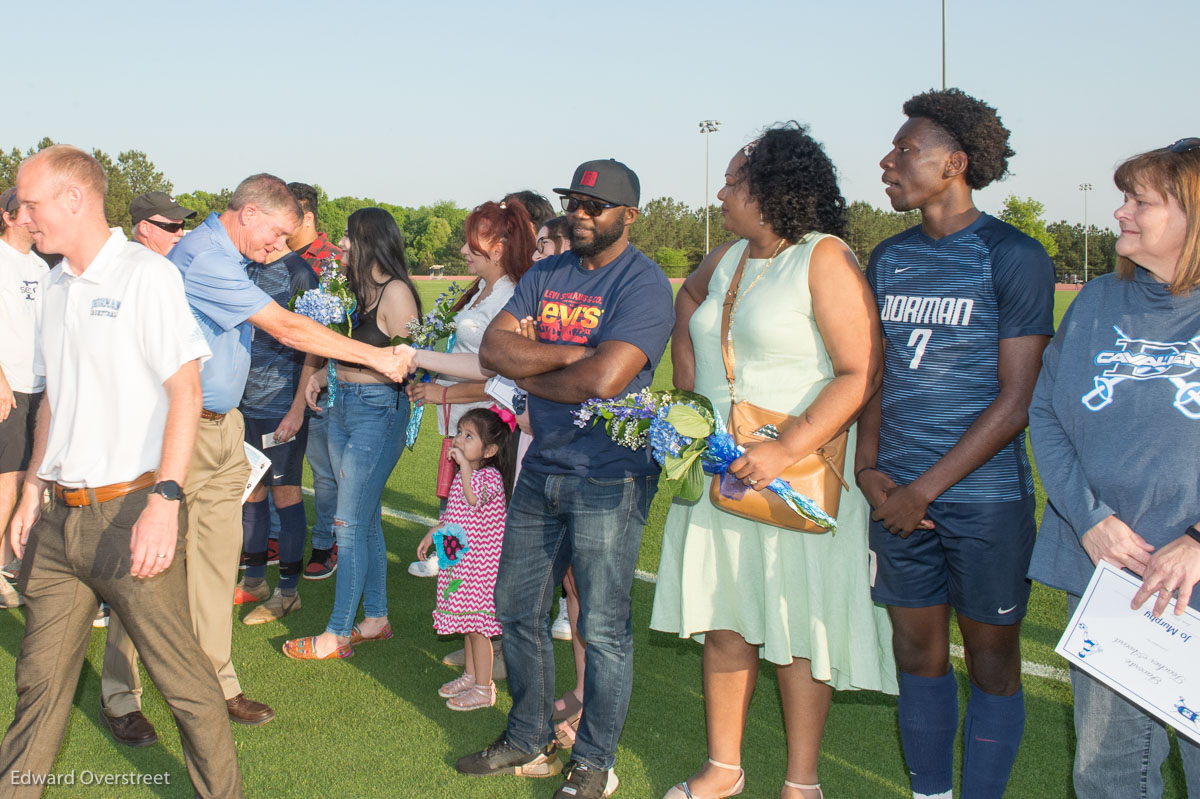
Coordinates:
(967, 308)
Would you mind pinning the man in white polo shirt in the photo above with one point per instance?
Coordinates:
(121, 356)
(20, 388)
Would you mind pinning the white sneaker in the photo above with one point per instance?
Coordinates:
(424, 568)
(561, 629)
(101, 619)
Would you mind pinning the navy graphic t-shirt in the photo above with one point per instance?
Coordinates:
(627, 300)
(945, 304)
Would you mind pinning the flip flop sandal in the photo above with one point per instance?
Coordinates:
(571, 707)
(306, 649)
(356, 636)
(564, 731)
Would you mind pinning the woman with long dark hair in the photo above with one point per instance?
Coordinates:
(366, 435)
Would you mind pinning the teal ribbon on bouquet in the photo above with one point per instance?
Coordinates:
(415, 414)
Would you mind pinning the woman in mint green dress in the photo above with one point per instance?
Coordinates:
(805, 339)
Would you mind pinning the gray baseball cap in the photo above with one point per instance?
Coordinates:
(8, 201)
(606, 179)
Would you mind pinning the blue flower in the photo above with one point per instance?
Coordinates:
(322, 308)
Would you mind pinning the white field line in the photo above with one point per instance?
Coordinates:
(1028, 668)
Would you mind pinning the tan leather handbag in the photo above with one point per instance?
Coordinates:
(817, 475)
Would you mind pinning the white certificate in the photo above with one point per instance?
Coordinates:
(259, 463)
(1152, 661)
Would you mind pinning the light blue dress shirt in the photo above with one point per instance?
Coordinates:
(222, 297)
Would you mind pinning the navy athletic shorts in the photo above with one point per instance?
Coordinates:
(974, 560)
(287, 459)
(16, 433)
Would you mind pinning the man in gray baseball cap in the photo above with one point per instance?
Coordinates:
(157, 220)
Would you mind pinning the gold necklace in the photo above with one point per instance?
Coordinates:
(738, 297)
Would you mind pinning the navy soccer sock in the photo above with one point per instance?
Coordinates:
(928, 723)
(292, 527)
(992, 730)
(254, 539)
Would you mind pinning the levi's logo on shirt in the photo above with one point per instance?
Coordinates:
(569, 316)
(103, 306)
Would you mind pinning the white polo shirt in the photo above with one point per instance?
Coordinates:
(107, 340)
(20, 274)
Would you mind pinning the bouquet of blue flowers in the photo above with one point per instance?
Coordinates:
(688, 439)
(424, 334)
(331, 304)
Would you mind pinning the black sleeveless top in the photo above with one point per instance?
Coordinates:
(367, 330)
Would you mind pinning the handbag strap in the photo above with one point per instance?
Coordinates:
(727, 319)
(730, 306)
(445, 412)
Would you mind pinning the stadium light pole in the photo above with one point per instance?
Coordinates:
(1085, 188)
(706, 127)
(943, 45)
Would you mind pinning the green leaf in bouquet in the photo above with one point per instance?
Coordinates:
(688, 422)
(685, 476)
(679, 395)
(692, 483)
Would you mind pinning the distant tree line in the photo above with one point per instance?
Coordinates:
(669, 231)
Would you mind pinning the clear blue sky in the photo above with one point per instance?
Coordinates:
(411, 103)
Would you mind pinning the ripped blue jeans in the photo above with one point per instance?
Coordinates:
(366, 436)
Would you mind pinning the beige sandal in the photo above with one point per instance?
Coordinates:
(814, 787)
(682, 791)
(479, 696)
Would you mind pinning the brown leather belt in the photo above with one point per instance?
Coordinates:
(211, 416)
(78, 497)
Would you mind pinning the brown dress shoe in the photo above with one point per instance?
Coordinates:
(132, 729)
(248, 712)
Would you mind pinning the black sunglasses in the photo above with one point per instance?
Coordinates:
(170, 227)
(1185, 145)
(592, 208)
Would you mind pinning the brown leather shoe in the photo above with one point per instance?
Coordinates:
(248, 712)
(132, 729)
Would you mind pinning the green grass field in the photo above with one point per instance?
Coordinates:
(373, 726)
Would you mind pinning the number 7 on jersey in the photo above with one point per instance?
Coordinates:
(919, 338)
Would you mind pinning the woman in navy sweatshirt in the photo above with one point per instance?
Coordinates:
(1114, 422)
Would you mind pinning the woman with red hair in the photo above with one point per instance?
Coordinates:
(498, 250)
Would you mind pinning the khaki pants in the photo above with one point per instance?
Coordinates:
(215, 482)
(76, 557)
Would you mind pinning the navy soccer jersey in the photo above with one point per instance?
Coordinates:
(945, 304)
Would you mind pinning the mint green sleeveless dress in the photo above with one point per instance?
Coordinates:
(796, 595)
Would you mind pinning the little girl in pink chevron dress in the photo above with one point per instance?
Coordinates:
(468, 540)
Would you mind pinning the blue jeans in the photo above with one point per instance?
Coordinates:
(324, 483)
(1119, 749)
(366, 436)
(595, 526)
